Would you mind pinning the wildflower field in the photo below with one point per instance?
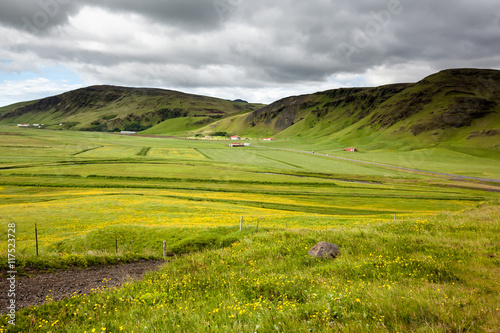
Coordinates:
(419, 252)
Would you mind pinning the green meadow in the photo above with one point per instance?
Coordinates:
(419, 252)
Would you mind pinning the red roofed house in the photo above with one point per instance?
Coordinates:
(351, 149)
(236, 144)
(269, 139)
(235, 137)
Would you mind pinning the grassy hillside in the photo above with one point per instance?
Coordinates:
(236, 125)
(455, 108)
(108, 108)
(451, 108)
(181, 125)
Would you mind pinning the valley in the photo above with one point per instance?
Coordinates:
(413, 209)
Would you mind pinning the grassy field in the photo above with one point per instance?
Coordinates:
(419, 252)
(473, 162)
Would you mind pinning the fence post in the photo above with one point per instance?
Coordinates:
(241, 223)
(164, 249)
(36, 240)
(116, 244)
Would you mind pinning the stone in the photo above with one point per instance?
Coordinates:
(324, 250)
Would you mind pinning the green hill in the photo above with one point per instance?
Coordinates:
(457, 107)
(111, 108)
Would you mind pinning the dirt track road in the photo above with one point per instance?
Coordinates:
(34, 290)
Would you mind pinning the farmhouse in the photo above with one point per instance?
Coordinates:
(128, 132)
(351, 149)
(235, 137)
(23, 125)
(236, 144)
(269, 139)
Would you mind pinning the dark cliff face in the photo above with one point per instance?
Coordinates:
(461, 113)
(49, 103)
(279, 115)
(355, 103)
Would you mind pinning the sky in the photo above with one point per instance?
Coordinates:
(256, 50)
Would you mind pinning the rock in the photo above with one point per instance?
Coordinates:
(324, 250)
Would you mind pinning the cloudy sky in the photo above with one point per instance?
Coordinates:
(257, 50)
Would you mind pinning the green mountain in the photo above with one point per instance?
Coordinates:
(456, 107)
(111, 108)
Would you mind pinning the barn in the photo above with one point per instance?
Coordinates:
(236, 144)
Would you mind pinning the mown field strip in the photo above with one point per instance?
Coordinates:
(303, 190)
(279, 161)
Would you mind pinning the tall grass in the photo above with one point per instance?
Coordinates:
(436, 274)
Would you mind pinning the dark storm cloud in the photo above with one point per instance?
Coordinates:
(40, 15)
(197, 15)
(36, 16)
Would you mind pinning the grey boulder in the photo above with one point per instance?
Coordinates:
(324, 250)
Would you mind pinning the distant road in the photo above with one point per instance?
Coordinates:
(389, 166)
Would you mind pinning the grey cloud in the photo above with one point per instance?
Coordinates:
(39, 16)
(285, 42)
(36, 16)
(192, 15)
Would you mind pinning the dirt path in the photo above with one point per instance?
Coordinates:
(32, 290)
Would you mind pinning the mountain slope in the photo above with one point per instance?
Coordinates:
(105, 108)
(457, 107)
